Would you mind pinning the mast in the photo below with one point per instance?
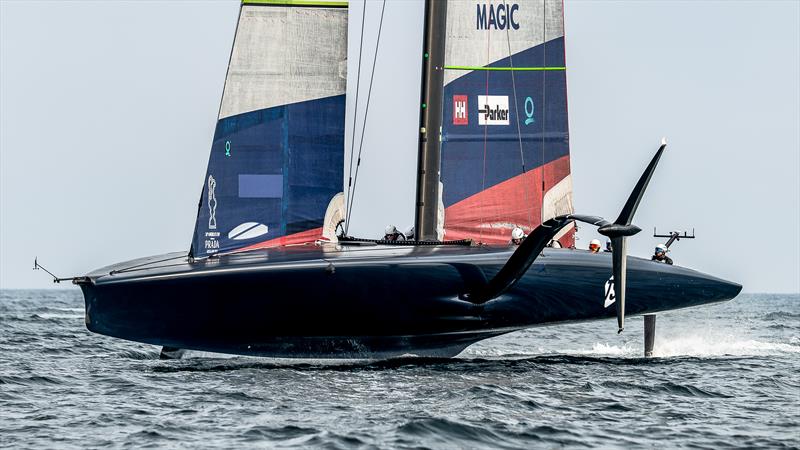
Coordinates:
(430, 120)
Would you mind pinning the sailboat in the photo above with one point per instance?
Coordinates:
(272, 270)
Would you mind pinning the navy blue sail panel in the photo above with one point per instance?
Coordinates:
(539, 109)
(271, 174)
(505, 144)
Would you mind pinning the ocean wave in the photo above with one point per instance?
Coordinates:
(706, 345)
(48, 316)
(139, 354)
(29, 380)
(284, 433)
(777, 315)
(671, 388)
(604, 349)
(695, 345)
(448, 430)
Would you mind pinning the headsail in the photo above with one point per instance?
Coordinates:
(505, 139)
(278, 152)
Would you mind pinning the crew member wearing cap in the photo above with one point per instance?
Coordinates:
(391, 234)
(661, 255)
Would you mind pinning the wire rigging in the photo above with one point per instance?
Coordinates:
(355, 112)
(544, 93)
(485, 132)
(519, 130)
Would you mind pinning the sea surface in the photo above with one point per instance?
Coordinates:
(726, 375)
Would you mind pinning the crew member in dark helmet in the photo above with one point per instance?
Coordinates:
(608, 246)
(661, 255)
(391, 234)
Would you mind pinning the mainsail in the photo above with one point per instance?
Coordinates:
(277, 159)
(493, 122)
(505, 139)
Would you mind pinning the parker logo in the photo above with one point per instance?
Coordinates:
(493, 110)
(460, 116)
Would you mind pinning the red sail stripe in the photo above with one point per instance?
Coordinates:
(303, 237)
(490, 215)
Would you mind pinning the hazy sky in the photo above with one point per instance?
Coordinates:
(388, 166)
(107, 110)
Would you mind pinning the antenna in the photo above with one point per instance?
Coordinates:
(673, 236)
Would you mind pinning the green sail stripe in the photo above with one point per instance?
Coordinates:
(503, 68)
(334, 3)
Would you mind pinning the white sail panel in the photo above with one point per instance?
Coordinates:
(480, 33)
(285, 55)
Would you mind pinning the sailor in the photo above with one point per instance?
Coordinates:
(391, 234)
(410, 233)
(517, 236)
(661, 255)
(554, 243)
(594, 246)
(608, 245)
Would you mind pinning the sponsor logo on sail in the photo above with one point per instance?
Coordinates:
(211, 243)
(212, 203)
(460, 116)
(248, 230)
(493, 110)
(529, 111)
(497, 17)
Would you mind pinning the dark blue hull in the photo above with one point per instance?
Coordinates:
(366, 302)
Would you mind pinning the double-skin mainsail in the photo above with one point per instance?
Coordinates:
(494, 140)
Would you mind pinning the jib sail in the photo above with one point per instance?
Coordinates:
(505, 139)
(278, 151)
